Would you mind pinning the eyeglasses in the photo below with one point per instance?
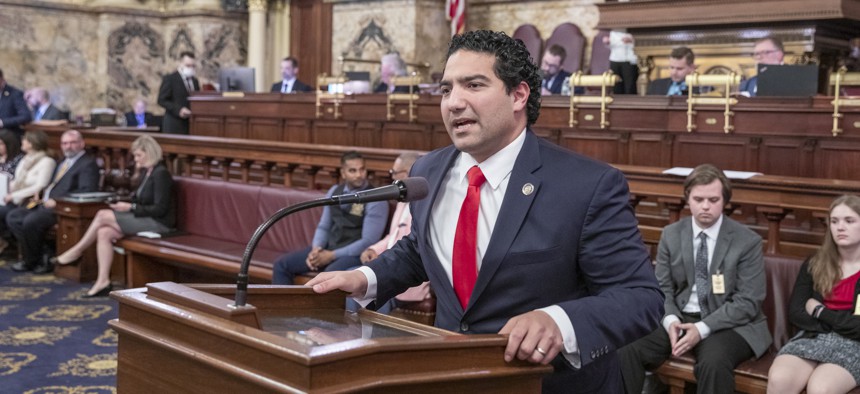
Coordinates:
(394, 172)
(764, 53)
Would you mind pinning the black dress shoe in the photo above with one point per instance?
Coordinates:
(101, 293)
(43, 269)
(22, 266)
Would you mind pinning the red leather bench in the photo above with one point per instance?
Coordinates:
(751, 375)
(216, 220)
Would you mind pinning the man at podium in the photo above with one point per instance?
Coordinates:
(520, 237)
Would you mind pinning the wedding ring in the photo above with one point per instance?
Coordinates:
(541, 351)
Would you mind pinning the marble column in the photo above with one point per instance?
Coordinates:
(257, 41)
(281, 36)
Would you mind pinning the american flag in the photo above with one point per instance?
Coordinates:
(457, 15)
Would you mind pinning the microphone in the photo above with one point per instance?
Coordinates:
(406, 190)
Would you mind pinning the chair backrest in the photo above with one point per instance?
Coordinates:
(781, 272)
(530, 36)
(571, 39)
(599, 54)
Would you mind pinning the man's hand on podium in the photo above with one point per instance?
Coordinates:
(353, 282)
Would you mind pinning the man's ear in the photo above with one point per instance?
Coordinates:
(520, 96)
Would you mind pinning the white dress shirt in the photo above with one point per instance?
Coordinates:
(287, 85)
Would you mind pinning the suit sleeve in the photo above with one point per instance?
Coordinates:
(88, 177)
(165, 96)
(162, 185)
(22, 113)
(664, 276)
(653, 89)
(624, 301)
(745, 303)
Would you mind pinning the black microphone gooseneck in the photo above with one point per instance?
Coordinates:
(409, 189)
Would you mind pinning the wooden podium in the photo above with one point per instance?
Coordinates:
(189, 339)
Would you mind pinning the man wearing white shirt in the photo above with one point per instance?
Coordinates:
(711, 270)
(518, 236)
(289, 84)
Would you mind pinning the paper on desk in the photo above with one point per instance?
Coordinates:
(684, 171)
(149, 234)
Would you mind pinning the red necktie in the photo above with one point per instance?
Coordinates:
(465, 257)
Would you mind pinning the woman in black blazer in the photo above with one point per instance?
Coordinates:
(151, 209)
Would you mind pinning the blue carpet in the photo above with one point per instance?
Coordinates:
(51, 339)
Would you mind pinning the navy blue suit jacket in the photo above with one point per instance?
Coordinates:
(82, 177)
(749, 86)
(13, 109)
(572, 242)
(173, 95)
(298, 87)
(555, 88)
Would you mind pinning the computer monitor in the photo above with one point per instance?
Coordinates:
(237, 79)
(787, 80)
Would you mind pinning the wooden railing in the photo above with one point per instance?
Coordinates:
(787, 211)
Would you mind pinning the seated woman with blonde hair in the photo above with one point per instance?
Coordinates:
(151, 209)
(824, 357)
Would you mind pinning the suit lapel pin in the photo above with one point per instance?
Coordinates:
(528, 188)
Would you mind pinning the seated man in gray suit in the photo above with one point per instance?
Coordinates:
(711, 271)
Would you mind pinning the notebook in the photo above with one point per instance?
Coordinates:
(785, 80)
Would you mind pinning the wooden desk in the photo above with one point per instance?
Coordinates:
(180, 339)
(73, 220)
(774, 136)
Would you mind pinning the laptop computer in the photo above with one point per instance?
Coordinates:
(787, 80)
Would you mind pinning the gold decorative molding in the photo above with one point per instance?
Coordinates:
(665, 13)
(257, 5)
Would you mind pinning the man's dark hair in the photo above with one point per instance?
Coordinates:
(1, 73)
(775, 41)
(513, 63)
(683, 53)
(704, 174)
(557, 50)
(186, 53)
(351, 155)
(292, 60)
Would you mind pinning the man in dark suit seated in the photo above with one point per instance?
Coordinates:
(553, 74)
(40, 102)
(711, 270)
(13, 108)
(173, 95)
(768, 50)
(518, 236)
(392, 65)
(139, 117)
(289, 70)
(681, 63)
(77, 173)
